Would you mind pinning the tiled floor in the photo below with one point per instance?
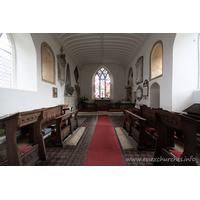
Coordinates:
(75, 156)
(72, 155)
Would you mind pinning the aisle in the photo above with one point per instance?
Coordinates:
(104, 148)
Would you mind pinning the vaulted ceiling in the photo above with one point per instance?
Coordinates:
(101, 48)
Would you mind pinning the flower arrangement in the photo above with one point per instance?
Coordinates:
(84, 98)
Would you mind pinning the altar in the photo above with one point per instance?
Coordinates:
(102, 103)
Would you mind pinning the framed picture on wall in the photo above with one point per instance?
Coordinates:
(55, 92)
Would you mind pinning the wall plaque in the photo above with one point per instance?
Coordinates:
(139, 70)
(139, 93)
(61, 67)
(47, 63)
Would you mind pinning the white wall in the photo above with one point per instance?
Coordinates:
(118, 74)
(165, 81)
(180, 74)
(26, 68)
(185, 71)
(14, 100)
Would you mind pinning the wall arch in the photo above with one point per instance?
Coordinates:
(155, 95)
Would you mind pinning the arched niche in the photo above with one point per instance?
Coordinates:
(155, 95)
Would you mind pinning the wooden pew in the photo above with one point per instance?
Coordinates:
(148, 131)
(136, 128)
(150, 125)
(62, 124)
(164, 150)
(35, 121)
(63, 128)
(74, 119)
(30, 154)
(127, 121)
(65, 124)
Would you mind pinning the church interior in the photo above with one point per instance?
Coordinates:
(124, 104)
(74, 79)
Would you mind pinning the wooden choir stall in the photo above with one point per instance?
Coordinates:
(36, 124)
(28, 155)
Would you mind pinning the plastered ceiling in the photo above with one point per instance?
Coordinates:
(101, 48)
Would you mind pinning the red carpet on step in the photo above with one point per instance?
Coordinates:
(104, 148)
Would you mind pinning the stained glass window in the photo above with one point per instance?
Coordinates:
(97, 85)
(5, 61)
(102, 84)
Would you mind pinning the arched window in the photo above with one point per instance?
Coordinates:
(102, 84)
(5, 61)
(156, 60)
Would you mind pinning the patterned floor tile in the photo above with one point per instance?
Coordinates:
(75, 156)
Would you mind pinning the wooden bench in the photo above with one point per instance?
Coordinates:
(143, 127)
(150, 125)
(28, 155)
(136, 128)
(63, 128)
(64, 124)
(33, 122)
(165, 153)
(74, 119)
(48, 119)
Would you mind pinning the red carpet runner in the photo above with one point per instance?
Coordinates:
(104, 148)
